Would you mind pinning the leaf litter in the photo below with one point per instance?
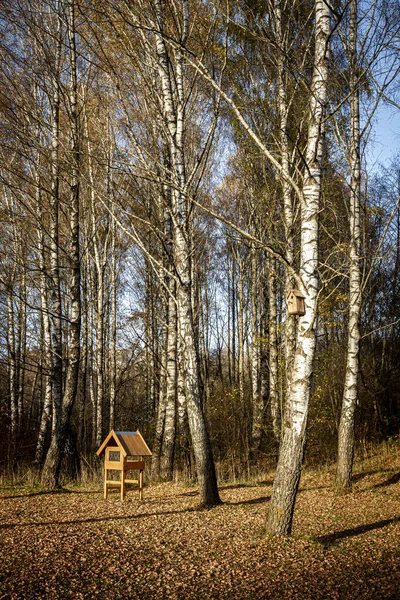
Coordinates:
(77, 545)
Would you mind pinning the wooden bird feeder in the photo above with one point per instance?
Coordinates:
(295, 303)
(124, 452)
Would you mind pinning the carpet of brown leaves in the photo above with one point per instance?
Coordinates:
(74, 544)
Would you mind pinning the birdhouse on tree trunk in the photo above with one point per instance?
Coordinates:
(295, 303)
(124, 452)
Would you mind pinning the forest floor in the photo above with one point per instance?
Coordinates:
(74, 544)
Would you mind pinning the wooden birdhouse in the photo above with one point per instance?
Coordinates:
(295, 302)
(123, 454)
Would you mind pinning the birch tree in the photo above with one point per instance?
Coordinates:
(367, 47)
(280, 513)
(308, 190)
(346, 426)
(174, 118)
(63, 406)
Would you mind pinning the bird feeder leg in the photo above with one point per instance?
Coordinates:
(123, 476)
(140, 485)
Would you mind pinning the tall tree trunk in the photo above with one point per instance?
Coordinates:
(281, 507)
(234, 319)
(182, 417)
(349, 402)
(21, 336)
(100, 258)
(113, 326)
(12, 369)
(256, 342)
(168, 445)
(174, 115)
(62, 434)
(49, 474)
(47, 350)
(273, 352)
(162, 395)
(229, 346)
(290, 326)
(264, 346)
(99, 354)
(241, 331)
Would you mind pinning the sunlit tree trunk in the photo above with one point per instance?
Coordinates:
(241, 368)
(12, 367)
(100, 253)
(49, 474)
(283, 105)
(273, 352)
(256, 342)
(21, 334)
(113, 326)
(160, 416)
(174, 116)
(281, 507)
(59, 440)
(47, 350)
(349, 402)
(169, 434)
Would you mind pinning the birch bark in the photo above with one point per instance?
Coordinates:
(174, 115)
(113, 325)
(54, 295)
(52, 467)
(48, 357)
(12, 366)
(168, 445)
(283, 111)
(281, 508)
(349, 401)
(273, 352)
(258, 400)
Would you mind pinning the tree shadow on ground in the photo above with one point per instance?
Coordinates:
(232, 486)
(188, 494)
(260, 500)
(314, 488)
(238, 486)
(361, 476)
(332, 538)
(100, 519)
(395, 478)
(54, 492)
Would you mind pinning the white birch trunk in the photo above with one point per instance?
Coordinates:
(48, 357)
(21, 336)
(168, 444)
(349, 402)
(240, 331)
(281, 508)
(113, 326)
(174, 115)
(100, 263)
(273, 352)
(258, 400)
(52, 467)
(290, 328)
(54, 295)
(12, 368)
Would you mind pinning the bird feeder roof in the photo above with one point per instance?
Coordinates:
(131, 443)
(295, 293)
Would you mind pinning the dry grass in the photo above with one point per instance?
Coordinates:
(74, 544)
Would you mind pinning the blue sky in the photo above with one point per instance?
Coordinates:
(384, 142)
